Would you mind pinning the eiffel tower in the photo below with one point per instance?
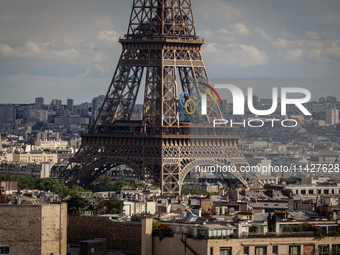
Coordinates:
(162, 42)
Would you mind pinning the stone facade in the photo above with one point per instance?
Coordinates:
(34, 229)
(174, 245)
(121, 236)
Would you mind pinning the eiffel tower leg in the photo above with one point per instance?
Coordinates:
(121, 96)
(152, 114)
(191, 78)
(100, 155)
(170, 116)
(171, 169)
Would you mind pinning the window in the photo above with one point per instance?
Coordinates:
(319, 191)
(303, 192)
(294, 249)
(323, 249)
(4, 249)
(336, 249)
(310, 192)
(297, 192)
(246, 251)
(260, 250)
(326, 191)
(211, 251)
(275, 250)
(225, 251)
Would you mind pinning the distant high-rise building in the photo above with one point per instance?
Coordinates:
(266, 101)
(331, 99)
(70, 105)
(225, 106)
(48, 136)
(38, 115)
(310, 106)
(39, 101)
(332, 116)
(322, 100)
(255, 100)
(318, 108)
(315, 140)
(7, 113)
(56, 102)
(71, 120)
(224, 102)
(96, 105)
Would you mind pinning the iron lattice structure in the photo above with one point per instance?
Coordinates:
(162, 43)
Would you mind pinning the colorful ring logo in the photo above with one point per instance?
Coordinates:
(204, 102)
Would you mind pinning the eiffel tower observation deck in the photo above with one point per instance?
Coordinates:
(162, 49)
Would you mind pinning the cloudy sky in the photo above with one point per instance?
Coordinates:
(68, 48)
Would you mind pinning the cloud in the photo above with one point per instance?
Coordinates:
(33, 50)
(311, 48)
(108, 37)
(238, 30)
(280, 43)
(312, 35)
(291, 55)
(263, 34)
(234, 54)
(233, 33)
(217, 9)
(41, 67)
(95, 73)
(220, 36)
(316, 55)
(332, 52)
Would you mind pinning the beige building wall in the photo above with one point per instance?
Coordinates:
(35, 158)
(50, 144)
(54, 229)
(169, 246)
(34, 229)
(146, 248)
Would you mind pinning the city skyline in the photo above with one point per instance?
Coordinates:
(70, 50)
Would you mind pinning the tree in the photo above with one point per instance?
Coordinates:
(252, 229)
(76, 189)
(26, 182)
(120, 184)
(56, 186)
(104, 183)
(287, 228)
(288, 181)
(156, 226)
(23, 181)
(193, 191)
(76, 203)
(269, 221)
(6, 177)
(273, 222)
(112, 205)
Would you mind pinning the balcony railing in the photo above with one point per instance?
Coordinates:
(278, 235)
(140, 130)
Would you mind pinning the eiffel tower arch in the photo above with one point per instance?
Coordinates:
(161, 45)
